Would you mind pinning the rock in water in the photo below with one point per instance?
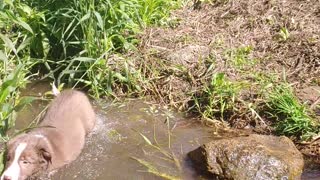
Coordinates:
(255, 157)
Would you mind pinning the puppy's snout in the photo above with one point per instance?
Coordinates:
(6, 177)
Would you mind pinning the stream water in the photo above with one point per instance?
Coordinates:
(119, 147)
(120, 140)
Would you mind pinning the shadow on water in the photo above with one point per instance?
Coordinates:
(122, 133)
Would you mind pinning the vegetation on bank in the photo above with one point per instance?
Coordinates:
(69, 42)
(99, 45)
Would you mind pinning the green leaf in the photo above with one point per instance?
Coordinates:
(6, 109)
(1, 160)
(25, 43)
(120, 77)
(9, 84)
(9, 2)
(25, 9)
(110, 82)
(4, 94)
(8, 43)
(85, 17)
(25, 25)
(99, 19)
(73, 71)
(83, 59)
(3, 56)
(146, 139)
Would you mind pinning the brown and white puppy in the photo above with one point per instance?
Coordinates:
(57, 141)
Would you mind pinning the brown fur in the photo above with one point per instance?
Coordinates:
(68, 120)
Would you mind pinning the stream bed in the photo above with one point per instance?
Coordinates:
(132, 140)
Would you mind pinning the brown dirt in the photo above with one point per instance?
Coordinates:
(196, 46)
(224, 25)
(231, 24)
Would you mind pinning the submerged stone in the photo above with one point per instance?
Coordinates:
(254, 157)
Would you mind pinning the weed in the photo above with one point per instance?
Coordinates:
(169, 156)
(284, 34)
(218, 98)
(156, 12)
(115, 136)
(9, 99)
(71, 40)
(291, 116)
(239, 57)
(14, 67)
(153, 170)
(121, 78)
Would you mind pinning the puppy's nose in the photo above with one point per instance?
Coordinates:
(6, 178)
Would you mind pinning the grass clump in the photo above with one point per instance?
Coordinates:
(116, 76)
(239, 57)
(15, 63)
(10, 100)
(292, 117)
(218, 98)
(71, 41)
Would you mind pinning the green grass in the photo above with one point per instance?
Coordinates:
(218, 98)
(71, 42)
(284, 34)
(165, 154)
(15, 63)
(240, 57)
(292, 117)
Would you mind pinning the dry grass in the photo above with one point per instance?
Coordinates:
(258, 44)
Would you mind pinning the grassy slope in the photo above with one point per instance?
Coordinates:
(235, 62)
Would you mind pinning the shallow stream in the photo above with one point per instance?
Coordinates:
(120, 145)
(120, 139)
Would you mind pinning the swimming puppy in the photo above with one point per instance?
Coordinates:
(57, 141)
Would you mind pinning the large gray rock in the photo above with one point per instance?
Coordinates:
(255, 157)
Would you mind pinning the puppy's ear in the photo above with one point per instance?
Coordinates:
(46, 155)
(44, 151)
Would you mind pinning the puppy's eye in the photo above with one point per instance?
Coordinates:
(25, 162)
(8, 158)
(43, 162)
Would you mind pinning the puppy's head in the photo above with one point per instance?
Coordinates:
(26, 155)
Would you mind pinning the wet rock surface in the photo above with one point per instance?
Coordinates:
(252, 157)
